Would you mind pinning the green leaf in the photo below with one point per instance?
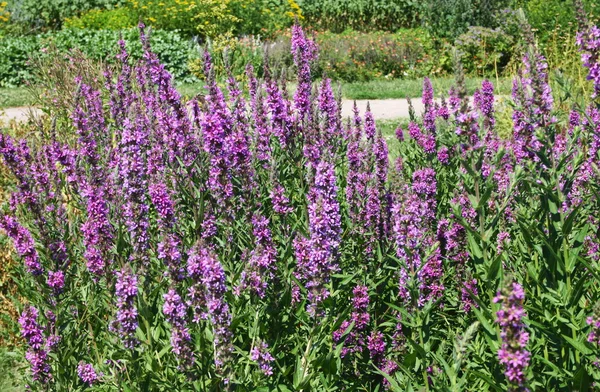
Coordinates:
(577, 345)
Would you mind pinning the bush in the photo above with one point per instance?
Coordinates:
(485, 51)
(450, 18)
(52, 13)
(14, 55)
(115, 19)
(360, 15)
(205, 18)
(367, 56)
(174, 50)
(233, 54)
(264, 17)
(548, 16)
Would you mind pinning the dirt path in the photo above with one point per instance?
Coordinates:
(382, 109)
(20, 114)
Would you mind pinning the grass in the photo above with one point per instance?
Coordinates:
(11, 371)
(388, 130)
(400, 88)
(389, 89)
(377, 89)
(15, 97)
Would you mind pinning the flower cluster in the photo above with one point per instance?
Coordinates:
(260, 354)
(354, 341)
(87, 374)
(37, 354)
(317, 255)
(513, 353)
(126, 321)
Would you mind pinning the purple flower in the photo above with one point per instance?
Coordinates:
(126, 319)
(262, 263)
(443, 155)
(399, 134)
(133, 180)
(279, 109)
(175, 310)
(87, 374)
(355, 340)
(415, 233)
(97, 229)
(328, 106)
(469, 290)
(23, 242)
(429, 115)
(281, 203)
(588, 41)
(594, 322)
(317, 255)
(56, 281)
(503, 240)
(513, 353)
(209, 292)
(260, 354)
(305, 52)
(37, 354)
(389, 367)
(485, 104)
(376, 345)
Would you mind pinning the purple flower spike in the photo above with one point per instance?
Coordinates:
(355, 340)
(175, 310)
(23, 242)
(37, 354)
(260, 354)
(208, 293)
(317, 256)
(513, 353)
(87, 374)
(126, 321)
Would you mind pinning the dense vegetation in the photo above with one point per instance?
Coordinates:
(370, 39)
(264, 243)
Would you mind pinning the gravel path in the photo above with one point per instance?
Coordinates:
(382, 109)
(20, 114)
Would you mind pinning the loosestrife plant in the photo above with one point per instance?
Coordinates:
(263, 242)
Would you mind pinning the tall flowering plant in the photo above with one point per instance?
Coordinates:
(261, 242)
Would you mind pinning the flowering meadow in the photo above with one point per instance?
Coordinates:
(259, 241)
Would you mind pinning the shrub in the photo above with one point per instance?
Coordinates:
(174, 50)
(366, 56)
(14, 54)
(264, 17)
(548, 16)
(114, 19)
(52, 13)
(231, 55)
(451, 18)
(361, 15)
(205, 18)
(485, 51)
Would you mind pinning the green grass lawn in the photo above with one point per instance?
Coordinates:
(389, 89)
(400, 88)
(15, 97)
(377, 89)
(388, 130)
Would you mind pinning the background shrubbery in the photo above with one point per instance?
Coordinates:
(362, 40)
(173, 50)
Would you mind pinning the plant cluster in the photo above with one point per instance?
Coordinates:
(263, 243)
(19, 54)
(361, 15)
